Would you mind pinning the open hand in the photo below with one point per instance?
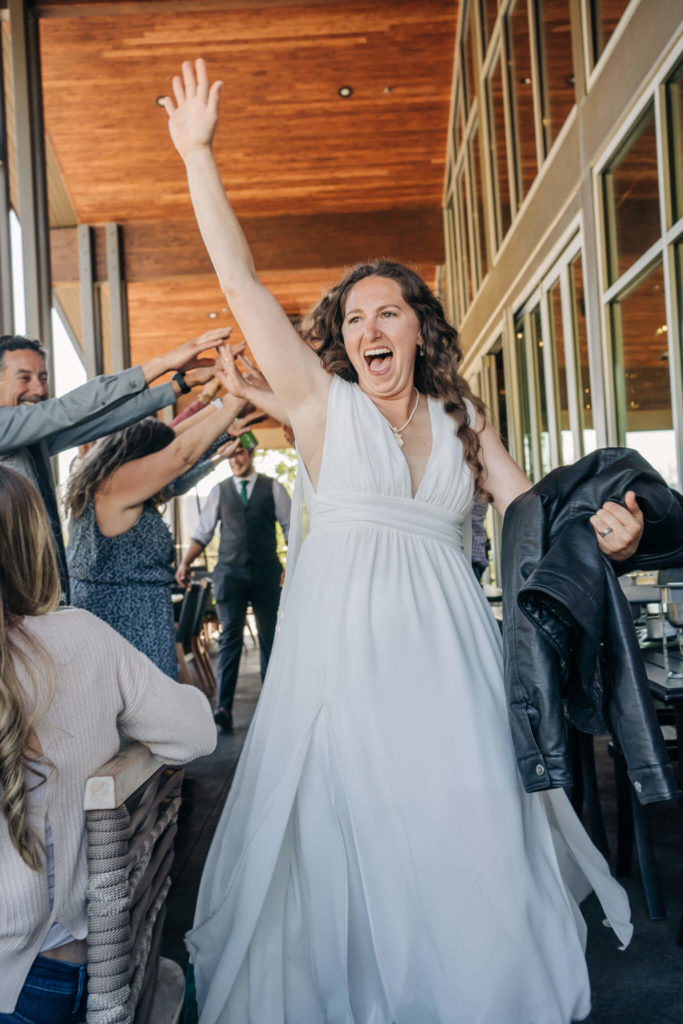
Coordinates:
(619, 529)
(187, 356)
(192, 119)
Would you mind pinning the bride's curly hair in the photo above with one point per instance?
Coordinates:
(436, 369)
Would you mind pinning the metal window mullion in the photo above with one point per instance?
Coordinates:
(509, 122)
(6, 295)
(475, 256)
(531, 385)
(31, 175)
(512, 387)
(673, 301)
(572, 359)
(551, 383)
(635, 273)
(536, 82)
(615, 354)
(662, 145)
(90, 307)
(118, 303)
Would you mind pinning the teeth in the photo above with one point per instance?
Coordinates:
(373, 352)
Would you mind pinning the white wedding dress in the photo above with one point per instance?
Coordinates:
(377, 861)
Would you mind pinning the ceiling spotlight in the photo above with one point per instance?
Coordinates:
(388, 88)
(345, 91)
(160, 101)
(212, 315)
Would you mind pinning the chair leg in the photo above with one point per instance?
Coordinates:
(624, 861)
(594, 819)
(646, 860)
(182, 665)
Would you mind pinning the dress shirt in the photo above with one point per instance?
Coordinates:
(209, 515)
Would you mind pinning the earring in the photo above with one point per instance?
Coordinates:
(421, 349)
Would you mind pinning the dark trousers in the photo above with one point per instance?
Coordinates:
(264, 594)
(54, 993)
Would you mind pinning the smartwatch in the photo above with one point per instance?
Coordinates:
(179, 378)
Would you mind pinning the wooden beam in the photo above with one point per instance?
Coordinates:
(163, 249)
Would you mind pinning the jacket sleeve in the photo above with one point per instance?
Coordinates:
(25, 425)
(130, 410)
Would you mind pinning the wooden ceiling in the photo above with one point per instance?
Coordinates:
(318, 181)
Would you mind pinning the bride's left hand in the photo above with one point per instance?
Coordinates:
(624, 526)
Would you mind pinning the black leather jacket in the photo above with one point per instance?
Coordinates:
(567, 627)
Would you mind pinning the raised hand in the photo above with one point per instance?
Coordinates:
(186, 356)
(193, 117)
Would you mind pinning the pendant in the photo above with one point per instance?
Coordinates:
(399, 439)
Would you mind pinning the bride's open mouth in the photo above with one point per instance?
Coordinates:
(378, 359)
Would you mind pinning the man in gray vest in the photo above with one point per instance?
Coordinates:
(248, 569)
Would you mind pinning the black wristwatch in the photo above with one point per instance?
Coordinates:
(179, 378)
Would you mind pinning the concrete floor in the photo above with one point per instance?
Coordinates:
(642, 985)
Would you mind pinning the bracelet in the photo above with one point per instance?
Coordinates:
(179, 378)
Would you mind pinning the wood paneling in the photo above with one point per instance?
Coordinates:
(287, 143)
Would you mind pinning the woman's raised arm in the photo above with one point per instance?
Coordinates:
(290, 366)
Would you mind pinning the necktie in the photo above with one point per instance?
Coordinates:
(243, 495)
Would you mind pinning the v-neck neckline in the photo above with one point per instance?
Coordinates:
(399, 451)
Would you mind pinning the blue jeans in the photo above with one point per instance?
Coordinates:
(54, 993)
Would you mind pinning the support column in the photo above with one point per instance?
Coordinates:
(90, 307)
(118, 300)
(6, 300)
(31, 176)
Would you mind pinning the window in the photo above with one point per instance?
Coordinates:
(464, 225)
(557, 67)
(469, 58)
(580, 333)
(496, 107)
(522, 96)
(477, 178)
(489, 13)
(557, 339)
(639, 337)
(674, 103)
(603, 18)
(631, 191)
(523, 376)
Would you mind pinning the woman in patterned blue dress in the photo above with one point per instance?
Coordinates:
(120, 550)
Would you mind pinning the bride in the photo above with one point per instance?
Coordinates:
(378, 861)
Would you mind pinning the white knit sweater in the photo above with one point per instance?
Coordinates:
(101, 689)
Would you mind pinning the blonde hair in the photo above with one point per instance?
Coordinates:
(29, 585)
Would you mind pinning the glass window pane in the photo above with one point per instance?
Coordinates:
(477, 178)
(522, 94)
(489, 13)
(604, 17)
(674, 93)
(457, 120)
(469, 57)
(567, 453)
(498, 150)
(557, 68)
(465, 236)
(523, 377)
(451, 261)
(632, 197)
(581, 344)
(641, 360)
(502, 425)
(538, 344)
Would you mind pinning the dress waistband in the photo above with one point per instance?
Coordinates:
(396, 513)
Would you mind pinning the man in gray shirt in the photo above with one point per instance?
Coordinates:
(248, 569)
(34, 427)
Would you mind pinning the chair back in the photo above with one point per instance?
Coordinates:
(188, 611)
(201, 606)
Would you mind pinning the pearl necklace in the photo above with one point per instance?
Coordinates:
(396, 431)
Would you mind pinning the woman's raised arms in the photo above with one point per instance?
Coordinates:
(290, 366)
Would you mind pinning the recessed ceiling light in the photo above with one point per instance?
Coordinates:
(160, 101)
(212, 315)
(345, 91)
(388, 88)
